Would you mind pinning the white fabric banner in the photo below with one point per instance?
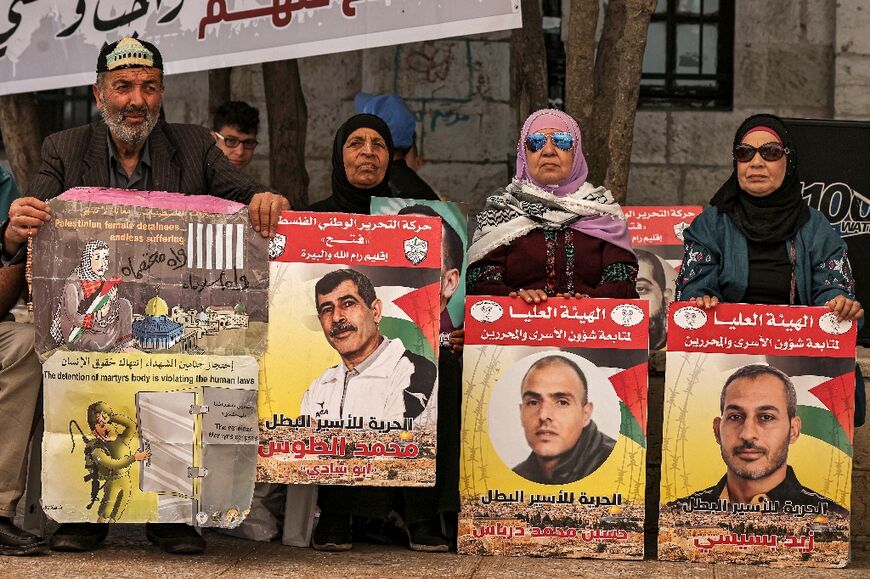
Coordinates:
(46, 44)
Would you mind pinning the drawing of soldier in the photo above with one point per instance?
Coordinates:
(108, 459)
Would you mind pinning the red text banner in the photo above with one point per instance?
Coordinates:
(659, 225)
(753, 329)
(554, 428)
(587, 323)
(758, 436)
(394, 241)
(349, 392)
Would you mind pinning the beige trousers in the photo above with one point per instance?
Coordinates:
(20, 383)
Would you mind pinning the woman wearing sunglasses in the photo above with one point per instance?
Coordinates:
(549, 232)
(759, 242)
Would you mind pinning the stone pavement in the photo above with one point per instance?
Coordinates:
(127, 554)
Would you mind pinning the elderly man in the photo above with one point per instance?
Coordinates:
(131, 148)
(234, 130)
(758, 423)
(377, 378)
(557, 420)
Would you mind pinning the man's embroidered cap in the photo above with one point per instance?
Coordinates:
(129, 53)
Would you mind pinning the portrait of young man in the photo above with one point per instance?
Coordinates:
(556, 416)
(757, 425)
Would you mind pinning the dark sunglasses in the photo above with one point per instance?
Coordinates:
(561, 140)
(232, 142)
(744, 153)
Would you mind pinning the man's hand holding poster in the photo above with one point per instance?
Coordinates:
(350, 393)
(554, 427)
(758, 432)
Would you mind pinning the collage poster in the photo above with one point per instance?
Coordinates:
(657, 239)
(349, 387)
(554, 422)
(150, 308)
(758, 434)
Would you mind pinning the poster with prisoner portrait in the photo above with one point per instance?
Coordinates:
(133, 438)
(349, 388)
(554, 422)
(454, 241)
(153, 272)
(657, 238)
(758, 434)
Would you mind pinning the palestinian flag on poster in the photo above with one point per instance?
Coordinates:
(96, 305)
(631, 387)
(827, 409)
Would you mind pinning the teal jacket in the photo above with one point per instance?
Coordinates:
(716, 261)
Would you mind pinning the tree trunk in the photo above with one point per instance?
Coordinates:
(19, 125)
(288, 120)
(530, 61)
(218, 90)
(607, 62)
(580, 62)
(626, 89)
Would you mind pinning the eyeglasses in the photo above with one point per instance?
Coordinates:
(561, 140)
(233, 142)
(744, 153)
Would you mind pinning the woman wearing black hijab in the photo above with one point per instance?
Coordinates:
(361, 155)
(759, 242)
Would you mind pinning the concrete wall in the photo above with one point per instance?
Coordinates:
(783, 63)
(852, 60)
(801, 58)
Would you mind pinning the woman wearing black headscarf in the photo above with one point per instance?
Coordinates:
(361, 156)
(760, 242)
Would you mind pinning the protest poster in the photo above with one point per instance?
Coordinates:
(657, 239)
(758, 433)
(349, 387)
(126, 271)
(554, 424)
(134, 438)
(47, 45)
(454, 241)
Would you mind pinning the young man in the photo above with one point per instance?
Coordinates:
(235, 131)
(556, 415)
(758, 423)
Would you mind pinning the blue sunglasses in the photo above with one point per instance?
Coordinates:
(561, 140)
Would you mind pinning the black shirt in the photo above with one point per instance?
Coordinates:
(770, 271)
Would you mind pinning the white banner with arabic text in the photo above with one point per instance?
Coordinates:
(46, 44)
